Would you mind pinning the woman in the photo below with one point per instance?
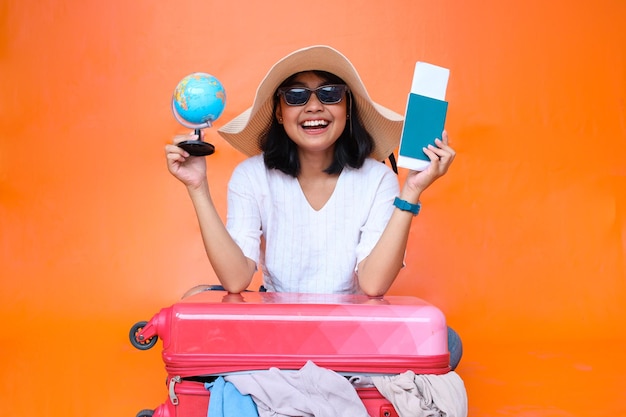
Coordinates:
(312, 206)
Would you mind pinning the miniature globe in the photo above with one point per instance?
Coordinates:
(198, 100)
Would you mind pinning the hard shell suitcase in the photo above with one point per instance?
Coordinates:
(214, 333)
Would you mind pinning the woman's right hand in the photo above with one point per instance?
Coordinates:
(190, 170)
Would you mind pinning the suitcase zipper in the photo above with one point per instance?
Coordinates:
(173, 381)
(189, 365)
(193, 385)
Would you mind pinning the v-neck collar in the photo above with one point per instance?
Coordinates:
(328, 201)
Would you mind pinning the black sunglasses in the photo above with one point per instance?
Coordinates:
(326, 94)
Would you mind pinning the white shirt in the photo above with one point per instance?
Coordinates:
(298, 248)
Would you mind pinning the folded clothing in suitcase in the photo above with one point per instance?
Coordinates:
(190, 398)
(215, 332)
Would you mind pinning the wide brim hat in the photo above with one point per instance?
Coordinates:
(245, 130)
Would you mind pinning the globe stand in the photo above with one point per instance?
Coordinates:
(196, 147)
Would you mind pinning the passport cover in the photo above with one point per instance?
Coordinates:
(423, 122)
(425, 115)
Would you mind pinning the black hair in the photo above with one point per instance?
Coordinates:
(352, 147)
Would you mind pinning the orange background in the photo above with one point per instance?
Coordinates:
(522, 244)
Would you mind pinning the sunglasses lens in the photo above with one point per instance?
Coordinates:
(296, 96)
(326, 94)
(330, 94)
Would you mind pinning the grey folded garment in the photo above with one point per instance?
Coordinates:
(309, 392)
(424, 395)
(361, 381)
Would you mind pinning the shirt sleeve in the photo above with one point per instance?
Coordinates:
(243, 220)
(386, 188)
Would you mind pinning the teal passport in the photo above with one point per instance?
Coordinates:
(424, 122)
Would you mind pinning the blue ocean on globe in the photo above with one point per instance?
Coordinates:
(199, 99)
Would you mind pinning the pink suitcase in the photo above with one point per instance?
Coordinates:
(214, 332)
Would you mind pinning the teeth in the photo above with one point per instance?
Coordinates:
(315, 123)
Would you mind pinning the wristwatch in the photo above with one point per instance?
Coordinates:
(406, 206)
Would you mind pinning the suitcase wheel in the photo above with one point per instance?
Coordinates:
(145, 413)
(136, 338)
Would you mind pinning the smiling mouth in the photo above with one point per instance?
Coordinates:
(315, 124)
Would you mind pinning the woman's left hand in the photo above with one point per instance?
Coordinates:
(441, 156)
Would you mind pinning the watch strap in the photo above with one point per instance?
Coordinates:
(406, 206)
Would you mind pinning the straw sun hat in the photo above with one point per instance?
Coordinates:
(384, 125)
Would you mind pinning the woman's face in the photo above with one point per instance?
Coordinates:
(314, 127)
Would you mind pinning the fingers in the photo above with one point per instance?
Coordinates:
(444, 144)
(190, 170)
(190, 136)
(442, 148)
(175, 153)
(444, 152)
(430, 151)
(444, 136)
(440, 154)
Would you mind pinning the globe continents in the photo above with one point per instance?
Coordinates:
(198, 100)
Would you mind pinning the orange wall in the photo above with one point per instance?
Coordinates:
(523, 239)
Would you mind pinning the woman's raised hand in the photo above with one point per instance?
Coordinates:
(441, 156)
(190, 170)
